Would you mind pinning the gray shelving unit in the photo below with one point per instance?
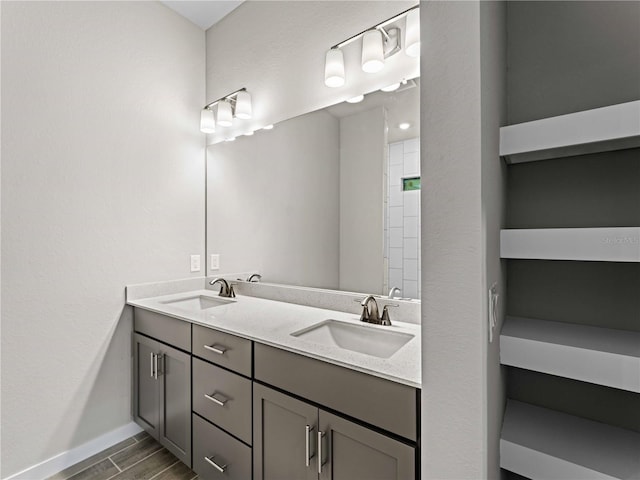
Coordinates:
(541, 443)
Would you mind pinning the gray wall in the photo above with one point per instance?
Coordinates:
(362, 162)
(570, 56)
(462, 106)
(273, 202)
(566, 57)
(102, 186)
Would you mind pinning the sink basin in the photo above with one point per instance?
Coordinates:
(357, 338)
(197, 302)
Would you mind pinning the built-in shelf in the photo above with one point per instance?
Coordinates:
(541, 444)
(620, 244)
(590, 354)
(615, 127)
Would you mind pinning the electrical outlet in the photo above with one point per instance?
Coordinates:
(195, 263)
(215, 261)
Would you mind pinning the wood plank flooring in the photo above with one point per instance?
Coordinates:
(137, 458)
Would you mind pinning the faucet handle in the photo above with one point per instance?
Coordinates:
(232, 293)
(364, 316)
(385, 320)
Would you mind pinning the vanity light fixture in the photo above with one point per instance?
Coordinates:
(236, 104)
(404, 126)
(268, 127)
(378, 43)
(249, 133)
(207, 122)
(356, 99)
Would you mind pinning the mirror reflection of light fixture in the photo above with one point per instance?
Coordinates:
(236, 104)
(378, 43)
(372, 51)
(334, 68)
(207, 122)
(356, 99)
(404, 126)
(412, 34)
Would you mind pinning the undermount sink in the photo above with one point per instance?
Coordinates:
(357, 338)
(197, 302)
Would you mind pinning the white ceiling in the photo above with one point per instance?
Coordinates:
(203, 13)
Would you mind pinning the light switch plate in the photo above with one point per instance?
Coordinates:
(215, 261)
(195, 263)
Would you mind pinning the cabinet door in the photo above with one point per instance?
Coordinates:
(146, 394)
(351, 452)
(285, 432)
(175, 402)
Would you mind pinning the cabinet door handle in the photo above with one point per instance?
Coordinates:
(213, 398)
(307, 445)
(320, 463)
(219, 349)
(152, 364)
(155, 366)
(220, 468)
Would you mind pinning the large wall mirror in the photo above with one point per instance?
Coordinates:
(329, 199)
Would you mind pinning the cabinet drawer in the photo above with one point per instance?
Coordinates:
(222, 349)
(166, 329)
(213, 386)
(229, 454)
(388, 405)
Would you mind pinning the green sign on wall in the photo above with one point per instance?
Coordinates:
(411, 183)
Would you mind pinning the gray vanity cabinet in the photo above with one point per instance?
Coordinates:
(292, 436)
(162, 394)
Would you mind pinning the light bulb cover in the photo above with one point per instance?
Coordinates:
(372, 51)
(225, 117)
(243, 105)
(412, 35)
(404, 126)
(268, 127)
(391, 88)
(207, 122)
(334, 68)
(356, 99)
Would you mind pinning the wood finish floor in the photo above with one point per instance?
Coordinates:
(137, 458)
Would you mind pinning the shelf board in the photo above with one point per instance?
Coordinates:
(603, 356)
(615, 127)
(620, 244)
(541, 444)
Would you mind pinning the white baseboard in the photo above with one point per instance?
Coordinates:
(70, 457)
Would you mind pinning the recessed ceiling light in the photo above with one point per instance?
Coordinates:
(404, 126)
(356, 99)
(391, 88)
(268, 127)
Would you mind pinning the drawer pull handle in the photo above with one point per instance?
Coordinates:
(152, 364)
(210, 461)
(320, 463)
(219, 349)
(213, 398)
(307, 445)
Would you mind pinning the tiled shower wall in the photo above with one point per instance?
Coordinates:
(402, 219)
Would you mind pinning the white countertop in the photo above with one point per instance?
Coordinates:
(271, 323)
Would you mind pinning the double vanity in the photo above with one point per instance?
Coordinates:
(250, 387)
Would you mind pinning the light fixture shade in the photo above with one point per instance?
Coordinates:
(412, 36)
(207, 122)
(334, 68)
(243, 105)
(356, 99)
(225, 117)
(372, 51)
(391, 88)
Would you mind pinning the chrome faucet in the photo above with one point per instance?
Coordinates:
(393, 292)
(226, 290)
(257, 277)
(371, 313)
